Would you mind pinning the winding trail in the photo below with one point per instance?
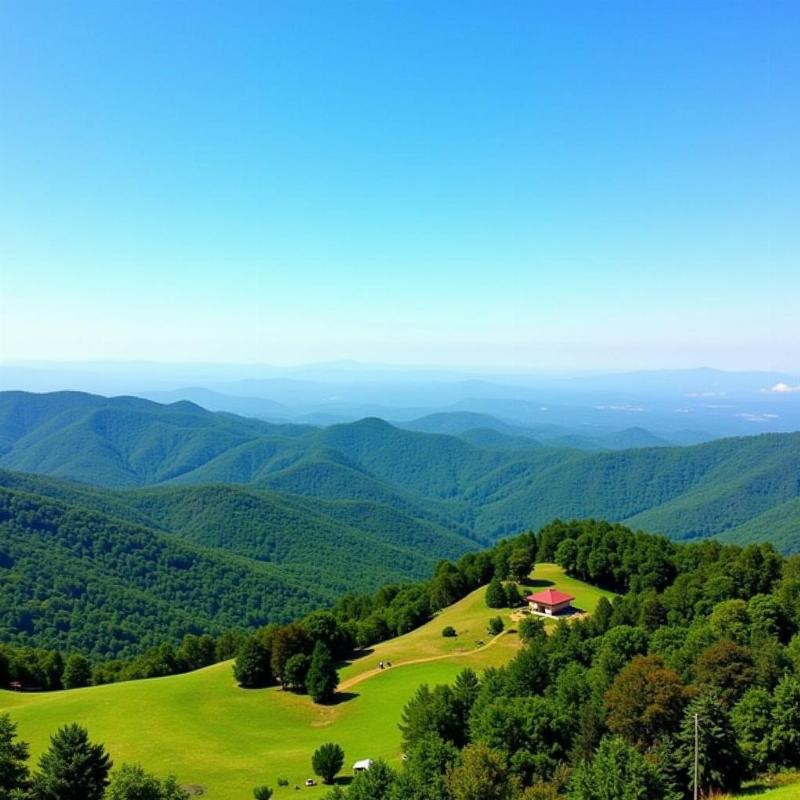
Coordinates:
(354, 681)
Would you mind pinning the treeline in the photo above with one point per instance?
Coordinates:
(355, 621)
(290, 654)
(33, 668)
(74, 768)
(604, 707)
(301, 656)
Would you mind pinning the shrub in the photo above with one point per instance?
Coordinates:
(496, 625)
(449, 631)
(262, 793)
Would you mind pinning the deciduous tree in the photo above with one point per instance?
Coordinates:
(645, 702)
(77, 672)
(252, 666)
(495, 594)
(482, 774)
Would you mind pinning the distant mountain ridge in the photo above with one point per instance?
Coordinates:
(466, 424)
(475, 486)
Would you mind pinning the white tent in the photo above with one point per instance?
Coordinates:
(363, 765)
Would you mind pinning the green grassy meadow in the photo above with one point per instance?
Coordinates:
(787, 787)
(210, 733)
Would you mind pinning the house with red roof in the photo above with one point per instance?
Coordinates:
(550, 602)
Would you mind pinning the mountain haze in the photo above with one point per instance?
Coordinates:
(474, 486)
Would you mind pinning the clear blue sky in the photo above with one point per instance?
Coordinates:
(513, 183)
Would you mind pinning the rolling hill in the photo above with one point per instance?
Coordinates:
(110, 573)
(227, 739)
(481, 489)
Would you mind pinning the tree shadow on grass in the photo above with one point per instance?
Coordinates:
(341, 697)
(538, 583)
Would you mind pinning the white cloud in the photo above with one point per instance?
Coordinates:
(784, 388)
(757, 417)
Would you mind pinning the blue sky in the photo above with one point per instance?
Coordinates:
(527, 184)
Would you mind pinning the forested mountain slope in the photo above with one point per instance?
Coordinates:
(121, 441)
(111, 572)
(683, 492)
(80, 580)
(480, 489)
(318, 537)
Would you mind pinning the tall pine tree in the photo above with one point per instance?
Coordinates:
(322, 678)
(13, 760)
(720, 761)
(73, 768)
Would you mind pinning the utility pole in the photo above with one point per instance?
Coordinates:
(696, 753)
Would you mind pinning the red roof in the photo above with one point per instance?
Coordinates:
(550, 597)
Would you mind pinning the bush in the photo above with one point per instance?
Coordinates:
(131, 782)
(449, 631)
(495, 626)
(262, 793)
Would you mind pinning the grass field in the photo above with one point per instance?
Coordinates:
(210, 733)
(787, 788)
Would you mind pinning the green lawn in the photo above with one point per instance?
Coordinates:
(790, 790)
(209, 732)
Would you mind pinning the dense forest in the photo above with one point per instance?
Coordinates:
(740, 489)
(72, 578)
(604, 707)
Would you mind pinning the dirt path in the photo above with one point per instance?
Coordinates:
(348, 684)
